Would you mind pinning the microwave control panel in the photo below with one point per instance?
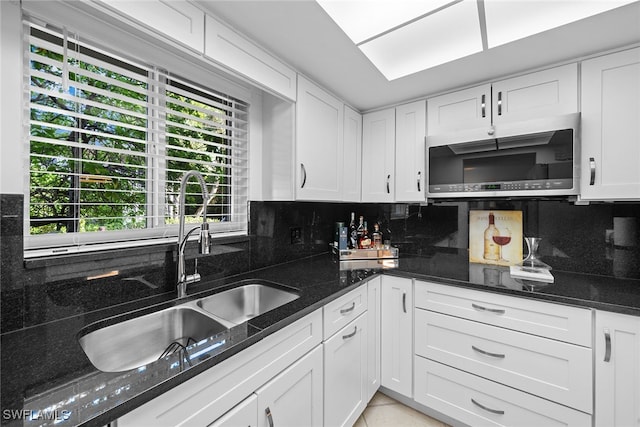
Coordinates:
(547, 184)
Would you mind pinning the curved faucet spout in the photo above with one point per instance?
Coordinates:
(205, 239)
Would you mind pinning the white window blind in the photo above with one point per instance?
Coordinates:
(109, 140)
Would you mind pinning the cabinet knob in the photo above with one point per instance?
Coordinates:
(491, 131)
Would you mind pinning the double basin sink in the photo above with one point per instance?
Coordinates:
(136, 342)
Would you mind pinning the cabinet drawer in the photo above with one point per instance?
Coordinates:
(343, 310)
(550, 369)
(479, 402)
(560, 322)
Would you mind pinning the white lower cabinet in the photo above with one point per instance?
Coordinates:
(244, 414)
(374, 335)
(294, 397)
(617, 366)
(345, 374)
(479, 402)
(497, 360)
(397, 335)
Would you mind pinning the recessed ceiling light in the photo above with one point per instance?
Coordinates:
(512, 20)
(433, 40)
(402, 37)
(364, 19)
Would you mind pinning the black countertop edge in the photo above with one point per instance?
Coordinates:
(318, 278)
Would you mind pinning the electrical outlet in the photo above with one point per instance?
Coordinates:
(296, 235)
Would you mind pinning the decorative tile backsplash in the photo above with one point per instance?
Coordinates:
(596, 239)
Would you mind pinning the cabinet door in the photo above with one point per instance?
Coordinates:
(374, 334)
(294, 397)
(238, 53)
(245, 414)
(611, 127)
(411, 122)
(319, 144)
(545, 93)
(352, 159)
(617, 355)
(378, 156)
(345, 374)
(397, 334)
(459, 116)
(180, 20)
(475, 401)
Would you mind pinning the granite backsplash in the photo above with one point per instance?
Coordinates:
(35, 291)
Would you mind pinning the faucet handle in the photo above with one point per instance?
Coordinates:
(205, 239)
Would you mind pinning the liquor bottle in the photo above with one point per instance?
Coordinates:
(365, 239)
(491, 249)
(353, 232)
(376, 236)
(360, 229)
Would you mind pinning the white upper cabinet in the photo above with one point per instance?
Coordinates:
(378, 156)
(319, 144)
(352, 159)
(611, 127)
(545, 93)
(234, 51)
(463, 115)
(179, 20)
(410, 152)
(486, 111)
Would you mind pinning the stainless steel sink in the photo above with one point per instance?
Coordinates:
(240, 304)
(139, 341)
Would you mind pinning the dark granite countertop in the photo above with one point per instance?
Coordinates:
(45, 369)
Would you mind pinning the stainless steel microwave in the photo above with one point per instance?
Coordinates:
(527, 159)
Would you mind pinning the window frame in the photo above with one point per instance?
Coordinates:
(156, 232)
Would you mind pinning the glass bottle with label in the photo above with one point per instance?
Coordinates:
(365, 239)
(360, 228)
(491, 249)
(353, 232)
(376, 236)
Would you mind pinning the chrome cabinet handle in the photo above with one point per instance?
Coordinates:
(490, 310)
(304, 174)
(355, 331)
(346, 310)
(484, 105)
(388, 179)
(500, 103)
(419, 179)
(607, 345)
(486, 353)
(404, 302)
(592, 167)
(493, 411)
(269, 417)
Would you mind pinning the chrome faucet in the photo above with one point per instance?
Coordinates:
(204, 240)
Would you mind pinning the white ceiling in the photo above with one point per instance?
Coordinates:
(303, 35)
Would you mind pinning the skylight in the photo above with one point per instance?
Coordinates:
(402, 37)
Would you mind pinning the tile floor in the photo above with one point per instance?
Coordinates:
(384, 411)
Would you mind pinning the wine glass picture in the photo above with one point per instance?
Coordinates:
(502, 239)
(495, 236)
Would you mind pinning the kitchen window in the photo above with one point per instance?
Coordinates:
(109, 140)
